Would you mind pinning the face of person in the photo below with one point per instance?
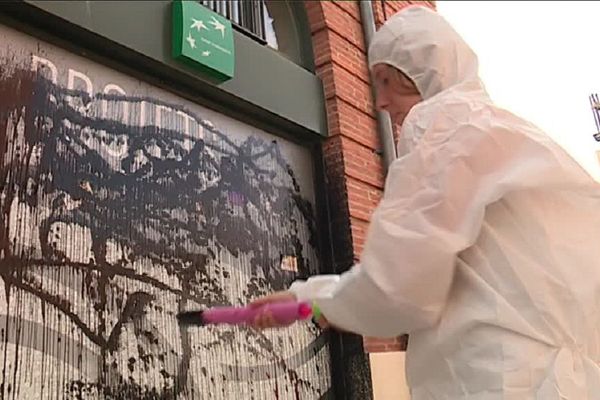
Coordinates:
(396, 93)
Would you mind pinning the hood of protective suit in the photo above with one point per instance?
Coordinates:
(422, 44)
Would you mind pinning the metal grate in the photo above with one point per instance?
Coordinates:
(595, 104)
(248, 16)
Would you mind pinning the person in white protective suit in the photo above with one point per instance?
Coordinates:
(485, 247)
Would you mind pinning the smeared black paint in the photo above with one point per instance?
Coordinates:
(178, 212)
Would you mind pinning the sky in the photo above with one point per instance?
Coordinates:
(540, 60)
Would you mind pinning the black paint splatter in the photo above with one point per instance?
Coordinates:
(171, 200)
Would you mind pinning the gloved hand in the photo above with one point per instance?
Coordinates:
(265, 320)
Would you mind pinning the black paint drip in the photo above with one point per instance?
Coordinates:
(172, 202)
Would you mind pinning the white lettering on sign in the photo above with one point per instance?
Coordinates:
(72, 76)
(35, 66)
(111, 88)
(216, 46)
(79, 81)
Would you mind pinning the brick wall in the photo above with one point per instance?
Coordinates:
(353, 162)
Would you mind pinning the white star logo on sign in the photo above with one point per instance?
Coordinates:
(198, 24)
(191, 41)
(218, 26)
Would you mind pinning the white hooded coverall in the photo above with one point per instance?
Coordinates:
(486, 245)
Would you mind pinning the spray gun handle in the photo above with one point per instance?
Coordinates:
(284, 313)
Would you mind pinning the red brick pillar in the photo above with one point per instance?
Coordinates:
(353, 162)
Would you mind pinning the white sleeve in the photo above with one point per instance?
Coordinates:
(433, 207)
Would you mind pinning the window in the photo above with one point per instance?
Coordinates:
(248, 16)
(278, 24)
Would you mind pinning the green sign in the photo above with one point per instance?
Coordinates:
(203, 39)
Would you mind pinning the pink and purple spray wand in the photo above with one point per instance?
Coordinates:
(284, 313)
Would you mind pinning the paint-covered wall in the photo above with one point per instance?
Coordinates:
(122, 204)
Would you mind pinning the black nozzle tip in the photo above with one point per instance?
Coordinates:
(190, 318)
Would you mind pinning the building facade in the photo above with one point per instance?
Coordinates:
(135, 185)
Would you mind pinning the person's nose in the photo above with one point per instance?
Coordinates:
(381, 102)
